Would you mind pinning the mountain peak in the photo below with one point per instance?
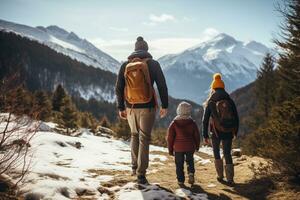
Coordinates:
(73, 36)
(256, 46)
(224, 36)
(224, 39)
(57, 29)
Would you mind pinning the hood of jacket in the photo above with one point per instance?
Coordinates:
(183, 122)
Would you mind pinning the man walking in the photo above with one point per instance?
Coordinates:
(137, 102)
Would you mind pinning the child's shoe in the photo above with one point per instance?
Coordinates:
(191, 179)
(133, 172)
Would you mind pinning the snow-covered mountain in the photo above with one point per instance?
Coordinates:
(65, 42)
(43, 68)
(189, 73)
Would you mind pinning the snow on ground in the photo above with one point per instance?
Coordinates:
(58, 164)
(207, 150)
(201, 161)
(184, 193)
(150, 192)
(63, 165)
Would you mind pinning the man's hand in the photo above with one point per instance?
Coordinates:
(163, 112)
(123, 114)
(206, 141)
(234, 137)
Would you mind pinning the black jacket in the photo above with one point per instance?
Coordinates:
(156, 75)
(220, 94)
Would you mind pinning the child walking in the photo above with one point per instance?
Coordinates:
(183, 140)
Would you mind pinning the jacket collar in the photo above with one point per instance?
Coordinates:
(139, 54)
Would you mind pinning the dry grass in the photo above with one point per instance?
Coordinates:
(101, 172)
(159, 153)
(54, 176)
(63, 164)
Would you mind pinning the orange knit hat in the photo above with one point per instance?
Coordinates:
(217, 82)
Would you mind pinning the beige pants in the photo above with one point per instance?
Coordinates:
(141, 121)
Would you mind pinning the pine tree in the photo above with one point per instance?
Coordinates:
(94, 123)
(19, 101)
(43, 105)
(58, 98)
(278, 139)
(69, 114)
(266, 85)
(289, 67)
(85, 120)
(104, 122)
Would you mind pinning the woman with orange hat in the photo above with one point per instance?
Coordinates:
(221, 120)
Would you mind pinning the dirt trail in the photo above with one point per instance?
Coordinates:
(246, 186)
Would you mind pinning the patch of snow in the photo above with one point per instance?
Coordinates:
(51, 124)
(158, 157)
(184, 193)
(65, 44)
(150, 192)
(211, 185)
(206, 149)
(157, 148)
(201, 161)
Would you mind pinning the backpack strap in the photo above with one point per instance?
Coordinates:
(145, 60)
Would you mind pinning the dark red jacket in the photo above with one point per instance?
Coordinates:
(183, 136)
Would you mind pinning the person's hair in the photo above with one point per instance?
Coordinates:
(211, 92)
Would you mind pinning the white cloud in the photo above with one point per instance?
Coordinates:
(156, 19)
(161, 18)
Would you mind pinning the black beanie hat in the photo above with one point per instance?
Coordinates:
(141, 44)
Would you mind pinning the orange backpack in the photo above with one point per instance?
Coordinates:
(138, 88)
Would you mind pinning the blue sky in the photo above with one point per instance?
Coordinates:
(169, 26)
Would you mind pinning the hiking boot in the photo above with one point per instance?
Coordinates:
(219, 169)
(230, 183)
(229, 171)
(191, 179)
(141, 179)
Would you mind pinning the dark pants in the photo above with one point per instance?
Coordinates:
(180, 157)
(226, 143)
